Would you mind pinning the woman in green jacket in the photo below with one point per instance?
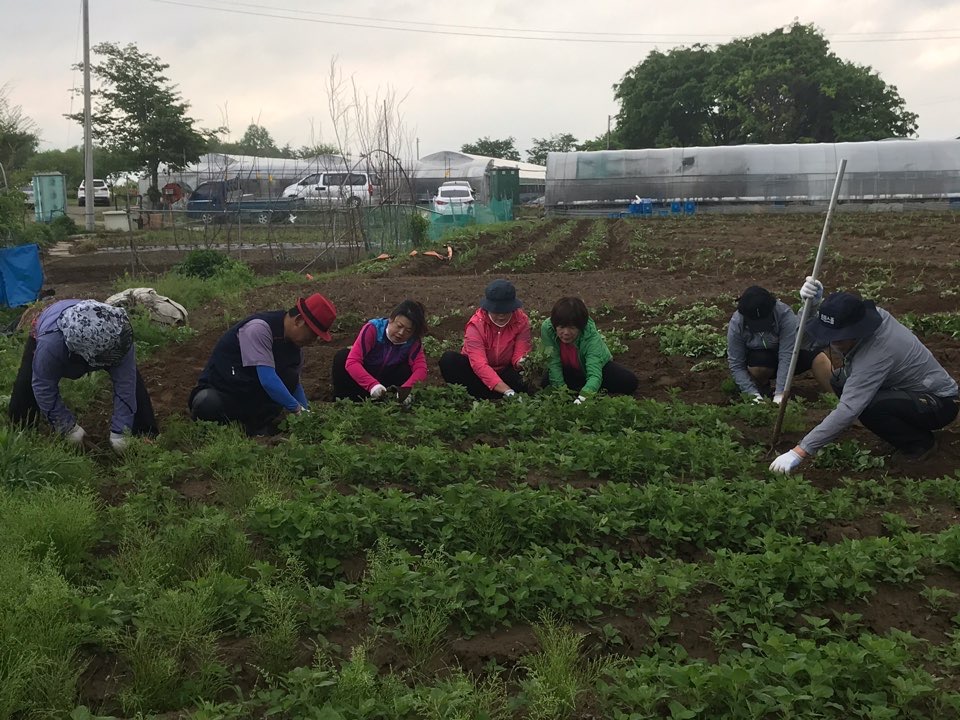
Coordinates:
(579, 357)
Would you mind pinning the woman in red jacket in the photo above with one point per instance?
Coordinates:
(495, 342)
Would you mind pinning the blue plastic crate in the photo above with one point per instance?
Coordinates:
(689, 207)
(675, 206)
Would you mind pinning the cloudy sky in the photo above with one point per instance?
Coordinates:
(465, 69)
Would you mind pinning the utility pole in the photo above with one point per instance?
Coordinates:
(418, 148)
(608, 131)
(89, 197)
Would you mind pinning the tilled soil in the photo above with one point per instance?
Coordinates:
(910, 263)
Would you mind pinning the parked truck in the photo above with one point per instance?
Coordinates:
(220, 201)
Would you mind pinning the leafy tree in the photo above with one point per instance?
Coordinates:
(558, 142)
(504, 149)
(139, 114)
(309, 151)
(255, 141)
(784, 86)
(70, 163)
(18, 134)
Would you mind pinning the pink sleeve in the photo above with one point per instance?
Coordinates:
(418, 366)
(361, 346)
(523, 344)
(476, 351)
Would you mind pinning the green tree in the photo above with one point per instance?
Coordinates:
(785, 86)
(504, 149)
(139, 114)
(558, 142)
(18, 133)
(309, 151)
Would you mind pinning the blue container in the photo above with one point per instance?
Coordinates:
(635, 208)
(663, 213)
(675, 206)
(689, 207)
(647, 206)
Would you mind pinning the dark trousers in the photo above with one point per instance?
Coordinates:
(617, 380)
(906, 419)
(345, 386)
(257, 416)
(24, 410)
(455, 369)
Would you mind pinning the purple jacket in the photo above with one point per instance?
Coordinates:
(52, 361)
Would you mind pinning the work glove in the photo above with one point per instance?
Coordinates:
(520, 362)
(118, 442)
(757, 399)
(786, 463)
(377, 391)
(778, 398)
(403, 395)
(811, 290)
(580, 400)
(75, 435)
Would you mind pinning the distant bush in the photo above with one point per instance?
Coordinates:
(203, 263)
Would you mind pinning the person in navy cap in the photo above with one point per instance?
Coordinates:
(760, 340)
(495, 342)
(889, 379)
(253, 374)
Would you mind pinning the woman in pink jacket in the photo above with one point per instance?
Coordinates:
(495, 342)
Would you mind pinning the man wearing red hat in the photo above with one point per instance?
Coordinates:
(253, 373)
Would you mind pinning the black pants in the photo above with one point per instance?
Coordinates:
(906, 419)
(24, 410)
(455, 369)
(617, 380)
(257, 416)
(345, 386)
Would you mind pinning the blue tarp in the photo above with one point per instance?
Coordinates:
(21, 275)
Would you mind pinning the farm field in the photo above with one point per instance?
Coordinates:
(627, 558)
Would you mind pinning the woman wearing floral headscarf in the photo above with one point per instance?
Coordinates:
(70, 339)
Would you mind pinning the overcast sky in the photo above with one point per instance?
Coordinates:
(241, 61)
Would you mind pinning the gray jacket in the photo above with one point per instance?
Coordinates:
(890, 359)
(740, 340)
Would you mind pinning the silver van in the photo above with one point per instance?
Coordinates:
(339, 187)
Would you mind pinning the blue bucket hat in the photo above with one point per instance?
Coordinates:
(843, 316)
(500, 296)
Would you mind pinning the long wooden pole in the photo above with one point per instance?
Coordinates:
(805, 311)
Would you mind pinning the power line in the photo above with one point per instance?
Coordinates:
(481, 31)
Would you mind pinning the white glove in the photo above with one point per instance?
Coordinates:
(118, 442)
(509, 392)
(786, 463)
(76, 435)
(811, 290)
(377, 391)
(580, 400)
(757, 399)
(778, 398)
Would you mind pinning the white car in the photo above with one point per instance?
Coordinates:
(454, 198)
(101, 193)
(335, 188)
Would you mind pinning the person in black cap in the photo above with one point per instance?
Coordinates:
(495, 342)
(760, 340)
(889, 379)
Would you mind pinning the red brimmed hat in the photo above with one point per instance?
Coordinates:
(318, 313)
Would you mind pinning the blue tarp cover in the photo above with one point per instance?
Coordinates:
(21, 275)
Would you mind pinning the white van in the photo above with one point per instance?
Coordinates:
(339, 187)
